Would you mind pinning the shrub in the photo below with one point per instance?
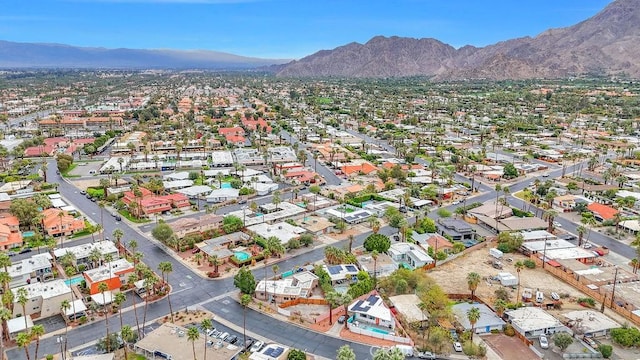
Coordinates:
(626, 336)
(605, 350)
(586, 301)
(378, 242)
(529, 264)
(509, 330)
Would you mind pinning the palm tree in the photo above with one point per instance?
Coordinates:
(345, 353)
(500, 306)
(117, 234)
(374, 256)
(133, 245)
(245, 300)
(206, 325)
(131, 280)
(126, 333)
(36, 333)
(5, 280)
(24, 340)
(103, 287)
(5, 262)
(350, 239)
(119, 299)
(550, 215)
(374, 223)
(192, 335)
(149, 282)
(473, 279)
(5, 315)
(22, 300)
(473, 315)
(581, 230)
(519, 265)
(166, 268)
(275, 268)
(265, 253)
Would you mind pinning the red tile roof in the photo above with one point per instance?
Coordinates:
(605, 212)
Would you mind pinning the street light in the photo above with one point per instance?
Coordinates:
(62, 340)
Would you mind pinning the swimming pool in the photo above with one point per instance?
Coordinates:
(374, 329)
(242, 255)
(225, 185)
(26, 234)
(74, 280)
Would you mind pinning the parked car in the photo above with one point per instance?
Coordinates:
(555, 296)
(232, 339)
(587, 246)
(544, 342)
(248, 343)
(256, 346)
(211, 331)
(25, 250)
(557, 224)
(83, 192)
(589, 341)
(457, 346)
(426, 355)
(223, 336)
(118, 218)
(342, 319)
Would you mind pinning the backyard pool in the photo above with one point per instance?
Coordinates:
(225, 185)
(74, 280)
(374, 329)
(26, 234)
(242, 255)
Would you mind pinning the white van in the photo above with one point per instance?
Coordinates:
(405, 349)
(539, 297)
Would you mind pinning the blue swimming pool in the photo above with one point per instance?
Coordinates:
(74, 280)
(225, 185)
(242, 255)
(26, 234)
(374, 329)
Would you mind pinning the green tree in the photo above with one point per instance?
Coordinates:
(192, 335)
(295, 354)
(345, 353)
(562, 340)
(25, 210)
(473, 315)
(378, 242)
(103, 287)
(443, 213)
(162, 232)
(245, 281)
(510, 171)
(23, 298)
(127, 335)
(509, 242)
(231, 224)
(117, 234)
(388, 354)
(473, 279)
(606, 350)
(119, 299)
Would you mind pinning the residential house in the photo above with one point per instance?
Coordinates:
(185, 226)
(10, 235)
(456, 230)
(590, 323)
(146, 203)
(281, 230)
(82, 253)
(534, 321)
(565, 202)
(488, 319)
(17, 325)
(602, 212)
(5, 203)
(434, 241)
(37, 268)
(372, 310)
(236, 130)
(114, 274)
(222, 195)
(57, 222)
(342, 273)
(298, 285)
(364, 167)
(44, 298)
(409, 255)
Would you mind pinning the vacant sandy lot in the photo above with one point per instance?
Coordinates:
(452, 276)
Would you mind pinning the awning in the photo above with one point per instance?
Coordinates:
(100, 300)
(79, 307)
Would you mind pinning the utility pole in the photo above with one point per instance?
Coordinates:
(613, 291)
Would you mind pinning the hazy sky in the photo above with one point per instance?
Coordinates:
(280, 28)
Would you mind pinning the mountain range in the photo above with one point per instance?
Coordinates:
(605, 44)
(30, 55)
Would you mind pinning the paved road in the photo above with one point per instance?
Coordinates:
(328, 174)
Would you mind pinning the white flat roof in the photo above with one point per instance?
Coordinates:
(538, 246)
(532, 318)
(78, 305)
(16, 325)
(282, 230)
(592, 321)
(45, 290)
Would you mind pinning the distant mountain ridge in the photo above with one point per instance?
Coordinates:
(32, 55)
(605, 44)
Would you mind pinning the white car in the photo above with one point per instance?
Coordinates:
(587, 246)
(555, 296)
(457, 346)
(544, 342)
(256, 346)
(557, 224)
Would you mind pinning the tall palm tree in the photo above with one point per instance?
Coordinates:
(5, 315)
(36, 333)
(374, 256)
(131, 280)
(133, 245)
(206, 325)
(5, 280)
(374, 223)
(473, 279)
(22, 300)
(473, 315)
(64, 306)
(5, 262)
(103, 287)
(275, 268)
(24, 340)
(166, 268)
(117, 234)
(149, 283)
(519, 265)
(192, 335)
(350, 239)
(126, 333)
(265, 253)
(581, 230)
(245, 300)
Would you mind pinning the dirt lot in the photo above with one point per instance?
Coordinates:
(452, 276)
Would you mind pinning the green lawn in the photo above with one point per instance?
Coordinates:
(132, 218)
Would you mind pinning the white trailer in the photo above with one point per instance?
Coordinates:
(496, 253)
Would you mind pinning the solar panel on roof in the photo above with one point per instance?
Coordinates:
(269, 352)
(351, 268)
(333, 270)
(372, 299)
(277, 352)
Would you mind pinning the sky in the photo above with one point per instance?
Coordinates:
(280, 29)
